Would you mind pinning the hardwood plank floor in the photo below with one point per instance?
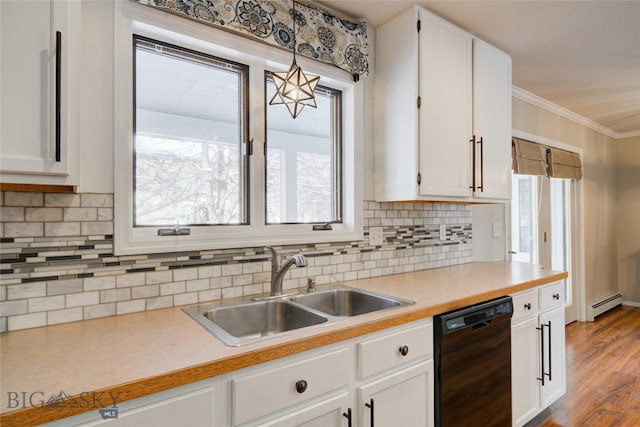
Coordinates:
(603, 374)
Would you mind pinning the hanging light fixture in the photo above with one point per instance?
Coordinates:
(294, 88)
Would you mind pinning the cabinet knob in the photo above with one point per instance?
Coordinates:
(404, 350)
(528, 306)
(301, 386)
(556, 296)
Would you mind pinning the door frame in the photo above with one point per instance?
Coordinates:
(578, 267)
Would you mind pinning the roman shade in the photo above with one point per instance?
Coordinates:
(563, 164)
(528, 157)
(325, 35)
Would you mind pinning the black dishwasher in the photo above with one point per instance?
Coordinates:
(472, 352)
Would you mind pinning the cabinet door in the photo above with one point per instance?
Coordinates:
(552, 323)
(492, 121)
(445, 113)
(191, 409)
(524, 370)
(402, 399)
(28, 78)
(327, 413)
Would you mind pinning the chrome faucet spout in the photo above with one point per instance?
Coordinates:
(279, 269)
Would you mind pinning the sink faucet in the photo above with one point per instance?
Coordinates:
(279, 268)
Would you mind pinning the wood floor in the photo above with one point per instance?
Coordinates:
(603, 374)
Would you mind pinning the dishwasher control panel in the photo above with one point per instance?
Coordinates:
(475, 314)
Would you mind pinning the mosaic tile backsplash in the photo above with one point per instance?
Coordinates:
(57, 262)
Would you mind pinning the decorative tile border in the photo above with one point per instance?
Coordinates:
(57, 263)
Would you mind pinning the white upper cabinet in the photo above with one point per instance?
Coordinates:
(492, 121)
(40, 45)
(445, 108)
(443, 113)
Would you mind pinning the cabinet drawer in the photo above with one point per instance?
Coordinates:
(552, 296)
(524, 304)
(379, 354)
(259, 394)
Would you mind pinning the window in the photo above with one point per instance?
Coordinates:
(198, 147)
(303, 161)
(188, 134)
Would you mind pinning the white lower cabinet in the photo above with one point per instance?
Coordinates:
(328, 412)
(403, 398)
(187, 406)
(296, 384)
(538, 371)
(335, 385)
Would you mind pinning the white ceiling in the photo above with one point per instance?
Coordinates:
(583, 56)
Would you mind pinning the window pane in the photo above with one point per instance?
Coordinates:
(303, 161)
(524, 219)
(189, 128)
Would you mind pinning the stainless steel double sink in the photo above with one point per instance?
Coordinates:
(249, 321)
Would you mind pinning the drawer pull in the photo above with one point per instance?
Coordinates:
(404, 350)
(301, 386)
(556, 296)
(528, 306)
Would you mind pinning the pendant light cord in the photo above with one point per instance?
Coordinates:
(294, 31)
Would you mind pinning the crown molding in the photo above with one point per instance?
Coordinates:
(568, 114)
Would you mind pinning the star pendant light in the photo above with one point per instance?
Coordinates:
(294, 88)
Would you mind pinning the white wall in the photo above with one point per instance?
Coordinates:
(599, 188)
(96, 98)
(628, 218)
(486, 245)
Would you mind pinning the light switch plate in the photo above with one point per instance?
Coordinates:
(443, 232)
(497, 229)
(376, 236)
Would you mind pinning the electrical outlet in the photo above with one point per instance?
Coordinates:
(497, 229)
(443, 232)
(376, 236)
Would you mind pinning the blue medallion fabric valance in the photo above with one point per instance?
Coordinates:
(319, 34)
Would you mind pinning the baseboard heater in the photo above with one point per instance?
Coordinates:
(604, 306)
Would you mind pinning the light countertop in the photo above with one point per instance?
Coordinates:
(147, 352)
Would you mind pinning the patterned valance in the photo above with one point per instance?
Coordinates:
(320, 34)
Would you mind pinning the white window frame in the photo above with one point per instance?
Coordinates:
(133, 18)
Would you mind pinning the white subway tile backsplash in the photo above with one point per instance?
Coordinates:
(184, 299)
(26, 321)
(62, 229)
(65, 254)
(172, 288)
(82, 299)
(197, 285)
(145, 291)
(159, 302)
(131, 279)
(133, 306)
(46, 303)
(22, 229)
(159, 277)
(97, 228)
(61, 200)
(64, 316)
(100, 310)
(12, 214)
(12, 198)
(99, 283)
(80, 214)
(97, 200)
(26, 290)
(114, 295)
(12, 308)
